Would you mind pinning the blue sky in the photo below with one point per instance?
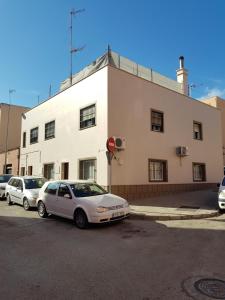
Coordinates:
(34, 50)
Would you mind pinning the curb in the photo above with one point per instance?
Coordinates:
(142, 216)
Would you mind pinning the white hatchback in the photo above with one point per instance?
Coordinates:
(83, 201)
(221, 196)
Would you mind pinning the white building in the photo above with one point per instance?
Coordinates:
(65, 137)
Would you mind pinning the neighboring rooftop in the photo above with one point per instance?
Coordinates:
(113, 59)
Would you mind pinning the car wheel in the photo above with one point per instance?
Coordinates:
(26, 204)
(8, 199)
(42, 210)
(80, 219)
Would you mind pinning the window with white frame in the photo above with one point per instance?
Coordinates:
(157, 170)
(199, 172)
(50, 130)
(34, 135)
(87, 169)
(87, 116)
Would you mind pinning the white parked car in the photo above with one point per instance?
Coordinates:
(221, 196)
(83, 201)
(24, 190)
(3, 182)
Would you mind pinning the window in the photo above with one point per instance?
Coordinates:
(64, 190)
(65, 170)
(50, 130)
(34, 183)
(30, 170)
(199, 173)
(52, 188)
(197, 130)
(8, 169)
(158, 170)
(88, 169)
(24, 139)
(157, 121)
(49, 171)
(87, 116)
(22, 171)
(34, 135)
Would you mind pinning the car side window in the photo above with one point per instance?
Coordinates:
(64, 190)
(11, 181)
(15, 182)
(223, 183)
(52, 188)
(20, 185)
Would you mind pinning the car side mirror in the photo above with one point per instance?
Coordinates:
(218, 185)
(67, 196)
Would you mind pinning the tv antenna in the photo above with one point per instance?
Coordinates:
(193, 86)
(73, 13)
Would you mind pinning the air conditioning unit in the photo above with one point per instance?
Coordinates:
(120, 143)
(182, 151)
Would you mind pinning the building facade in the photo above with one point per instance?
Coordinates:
(169, 138)
(10, 136)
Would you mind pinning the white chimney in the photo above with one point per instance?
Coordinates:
(182, 76)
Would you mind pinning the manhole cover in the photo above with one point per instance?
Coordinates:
(214, 288)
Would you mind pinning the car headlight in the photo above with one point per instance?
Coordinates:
(222, 194)
(101, 209)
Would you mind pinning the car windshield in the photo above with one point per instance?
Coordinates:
(4, 178)
(34, 183)
(87, 189)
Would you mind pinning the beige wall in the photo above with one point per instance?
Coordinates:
(220, 104)
(12, 158)
(130, 101)
(14, 125)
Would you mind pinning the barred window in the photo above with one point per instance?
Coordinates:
(199, 173)
(157, 170)
(50, 130)
(87, 116)
(157, 121)
(34, 135)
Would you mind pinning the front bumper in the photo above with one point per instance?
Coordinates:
(110, 216)
(32, 202)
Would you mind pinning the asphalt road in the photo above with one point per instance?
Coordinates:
(147, 260)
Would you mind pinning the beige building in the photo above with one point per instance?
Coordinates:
(220, 104)
(168, 139)
(10, 132)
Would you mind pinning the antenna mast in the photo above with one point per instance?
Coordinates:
(73, 13)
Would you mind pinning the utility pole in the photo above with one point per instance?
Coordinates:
(73, 13)
(7, 128)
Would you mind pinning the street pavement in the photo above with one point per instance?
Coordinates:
(134, 259)
(180, 206)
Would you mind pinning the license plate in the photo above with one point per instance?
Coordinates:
(118, 214)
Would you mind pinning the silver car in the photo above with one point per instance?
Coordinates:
(3, 182)
(24, 190)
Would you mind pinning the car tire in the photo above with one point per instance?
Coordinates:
(42, 210)
(8, 199)
(26, 204)
(80, 219)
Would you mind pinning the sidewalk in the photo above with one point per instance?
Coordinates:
(180, 206)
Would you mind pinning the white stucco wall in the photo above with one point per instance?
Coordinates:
(70, 143)
(130, 101)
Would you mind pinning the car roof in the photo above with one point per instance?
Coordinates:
(26, 177)
(70, 181)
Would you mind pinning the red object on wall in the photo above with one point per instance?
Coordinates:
(110, 144)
